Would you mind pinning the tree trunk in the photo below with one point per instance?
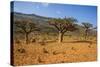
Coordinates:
(60, 37)
(27, 41)
(86, 34)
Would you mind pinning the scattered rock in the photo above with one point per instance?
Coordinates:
(33, 40)
(21, 50)
(40, 60)
(55, 53)
(18, 41)
(42, 43)
(89, 46)
(73, 48)
(62, 61)
(45, 51)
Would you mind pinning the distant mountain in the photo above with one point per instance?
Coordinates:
(39, 20)
(35, 18)
(30, 16)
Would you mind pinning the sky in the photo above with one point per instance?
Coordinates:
(82, 13)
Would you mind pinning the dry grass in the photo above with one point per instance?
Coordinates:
(70, 50)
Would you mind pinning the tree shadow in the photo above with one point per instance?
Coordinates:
(79, 41)
(82, 41)
(50, 41)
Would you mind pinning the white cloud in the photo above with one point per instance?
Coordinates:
(42, 4)
(45, 4)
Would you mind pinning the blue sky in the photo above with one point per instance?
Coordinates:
(80, 12)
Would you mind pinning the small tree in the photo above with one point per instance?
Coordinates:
(62, 26)
(26, 27)
(87, 27)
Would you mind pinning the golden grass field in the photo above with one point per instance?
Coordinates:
(50, 52)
